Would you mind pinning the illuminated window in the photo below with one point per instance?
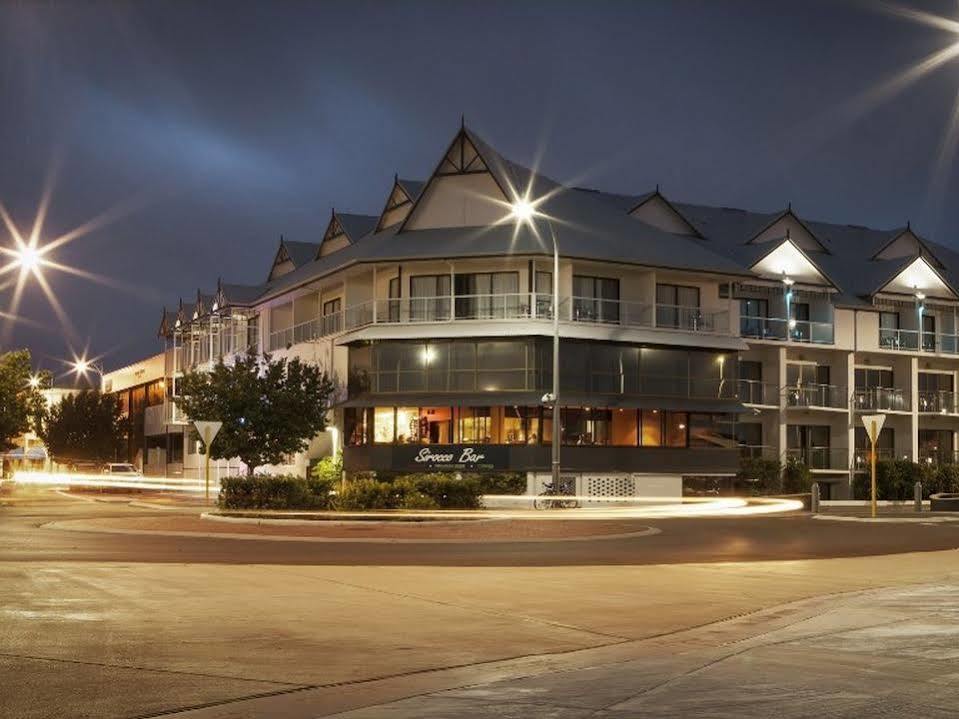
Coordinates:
(514, 425)
(407, 425)
(384, 425)
(474, 424)
(677, 429)
(652, 428)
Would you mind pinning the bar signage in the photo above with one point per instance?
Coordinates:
(452, 457)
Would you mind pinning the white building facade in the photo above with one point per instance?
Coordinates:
(690, 335)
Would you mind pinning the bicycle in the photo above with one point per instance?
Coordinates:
(550, 498)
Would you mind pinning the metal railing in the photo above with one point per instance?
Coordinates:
(756, 392)
(888, 399)
(816, 395)
(917, 341)
(821, 458)
(938, 456)
(862, 457)
(757, 451)
(775, 328)
(937, 402)
(691, 319)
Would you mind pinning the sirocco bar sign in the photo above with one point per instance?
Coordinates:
(451, 456)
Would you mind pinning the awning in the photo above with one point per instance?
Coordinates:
(534, 399)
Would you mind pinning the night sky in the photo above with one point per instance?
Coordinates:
(209, 129)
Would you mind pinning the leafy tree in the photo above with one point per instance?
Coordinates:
(22, 406)
(796, 476)
(85, 426)
(759, 475)
(269, 408)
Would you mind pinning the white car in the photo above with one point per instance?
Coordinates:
(122, 469)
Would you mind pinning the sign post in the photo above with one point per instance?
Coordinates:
(873, 424)
(208, 431)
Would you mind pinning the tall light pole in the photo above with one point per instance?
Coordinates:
(556, 419)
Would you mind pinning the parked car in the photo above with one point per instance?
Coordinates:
(122, 469)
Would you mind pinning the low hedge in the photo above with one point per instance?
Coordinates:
(896, 478)
(322, 491)
(263, 491)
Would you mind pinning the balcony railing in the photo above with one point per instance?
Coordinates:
(887, 399)
(938, 456)
(937, 402)
(816, 395)
(862, 460)
(774, 328)
(691, 319)
(821, 458)
(756, 392)
(916, 341)
(757, 451)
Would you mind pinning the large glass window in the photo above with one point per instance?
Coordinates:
(652, 434)
(384, 425)
(586, 426)
(503, 366)
(753, 315)
(543, 287)
(676, 430)
(429, 298)
(357, 423)
(514, 426)
(595, 299)
(393, 305)
(474, 425)
(332, 320)
(677, 306)
(487, 295)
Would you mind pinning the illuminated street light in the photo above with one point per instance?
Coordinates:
(28, 258)
(522, 210)
(34, 381)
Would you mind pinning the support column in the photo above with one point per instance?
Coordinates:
(852, 418)
(781, 384)
(914, 406)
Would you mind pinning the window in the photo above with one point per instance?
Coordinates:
(870, 378)
(393, 305)
(384, 425)
(711, 430)
(356, 425)
(676, 429)
(583, 426)
(749, 434)
(652, 431)
(799, 316)
(753, 318)
(174, 447)
(543, 286)
(624, 428)
(514, 426)
(487, 295)
(332, 320)
(677, 306)
(889, 329)
(429, 298)
(929, 332)
(407, 425)
(436, 425)
(474, 425)
(936, 444)
(595, 299)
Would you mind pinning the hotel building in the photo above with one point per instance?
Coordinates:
(690, 335)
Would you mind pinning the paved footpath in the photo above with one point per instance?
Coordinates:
(107, 626)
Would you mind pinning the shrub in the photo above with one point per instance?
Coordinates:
(760, 476)
(360, 494)
(499, 482)
(328, 469)
(449, 492)
(796, 477)
(944, 478)
(264, 491)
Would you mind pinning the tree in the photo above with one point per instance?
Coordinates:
(85, 426)
(22, 405)
(269, 408)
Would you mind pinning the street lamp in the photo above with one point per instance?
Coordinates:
(82, 367)
(523, 211)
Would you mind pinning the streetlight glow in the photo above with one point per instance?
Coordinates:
(34, 381)
(28, 258)
(522, 209)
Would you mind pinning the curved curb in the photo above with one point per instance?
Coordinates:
(886, 520)
(279, 521)
(79, 525)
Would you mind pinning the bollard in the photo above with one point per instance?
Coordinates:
(814, 499)
(917, 496)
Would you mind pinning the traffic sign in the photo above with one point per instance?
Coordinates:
(873, 424)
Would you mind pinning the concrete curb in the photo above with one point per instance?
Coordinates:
(80, 525)
(280, 521)
(887, 520)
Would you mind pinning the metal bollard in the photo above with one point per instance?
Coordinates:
(917, 497)
(814, 499)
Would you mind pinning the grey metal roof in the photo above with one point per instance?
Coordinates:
(357, 226)
(591, 224)
(242, 294)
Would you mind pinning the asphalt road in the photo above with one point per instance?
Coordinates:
(108, 626)
(23, 537)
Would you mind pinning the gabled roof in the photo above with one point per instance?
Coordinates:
(349, 226)
(230, 295)
(767, 249)
(893, 269)
(167, 322)
(904, 232)
(403, 194)
(788, 212)
(296, 253)
(656, 194)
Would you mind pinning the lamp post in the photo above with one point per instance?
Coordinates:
(554, 447)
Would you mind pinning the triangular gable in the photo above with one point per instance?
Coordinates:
(282, 262)
(788, 261)
(919, 276)
(789, 225)
(335, 237)
(654, 209)
(397, 207)
(906, 244)
(465, 190)
(166, 324)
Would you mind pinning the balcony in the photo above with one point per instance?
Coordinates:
(783, 330)
(754, 392)
(916, 341)
(757, 451)
(816, 396)
(880, 399)
(691, 319)
(821, 459)
(937, 456)
(937, 402)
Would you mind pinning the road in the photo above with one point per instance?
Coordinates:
(101, 625)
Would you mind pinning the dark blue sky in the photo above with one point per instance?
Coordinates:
(217, 126)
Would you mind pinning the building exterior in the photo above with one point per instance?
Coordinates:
(690, 335)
